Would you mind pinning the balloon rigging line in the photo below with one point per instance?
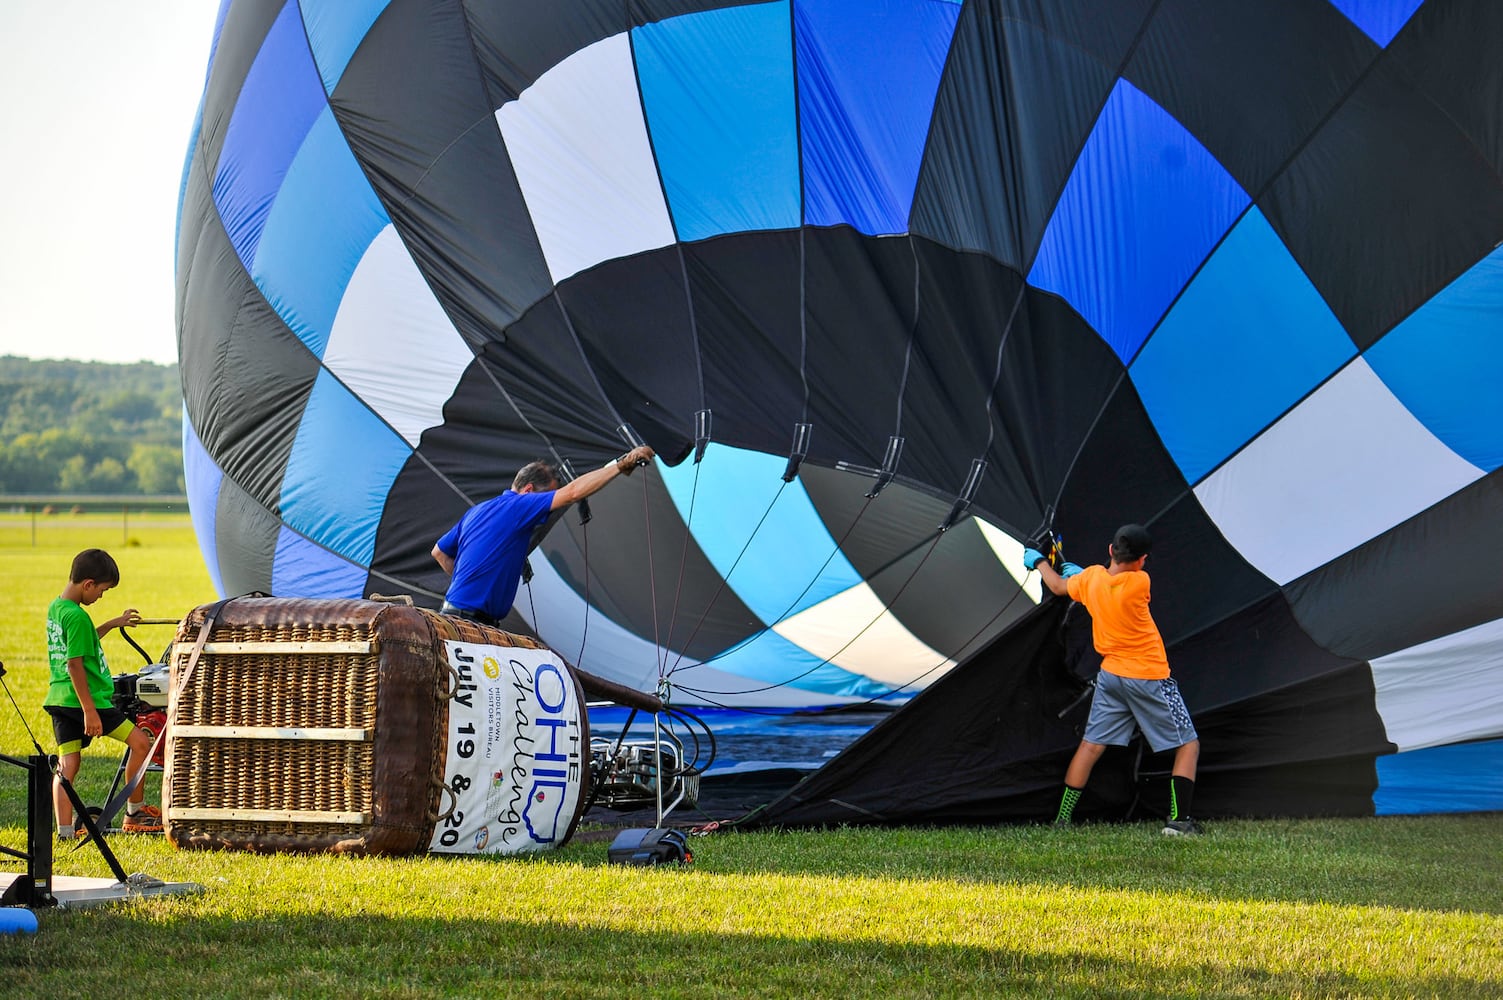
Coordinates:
(652, 583)
(991, 395)
(1275, 176)
(534, 608)
(969, 639)
(584, 636)
(725, 578)
(1086, 438)
(699, 366)
(792, 604)
(886, 610)
(912, 336)
(803, 308)
(772, 713)
(515, 408)
(683, 560)
(1253, 199)
(875, 698)
(558, 299)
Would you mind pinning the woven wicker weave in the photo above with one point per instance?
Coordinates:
(312, 725)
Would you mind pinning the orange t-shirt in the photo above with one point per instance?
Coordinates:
(1121, 627)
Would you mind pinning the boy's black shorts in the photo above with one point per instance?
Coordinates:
(68, 726)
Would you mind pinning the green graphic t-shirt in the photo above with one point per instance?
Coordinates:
(70, 633)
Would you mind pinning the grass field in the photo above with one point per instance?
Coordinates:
(1394, 907)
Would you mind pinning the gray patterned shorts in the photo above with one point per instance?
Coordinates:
(1155, 707)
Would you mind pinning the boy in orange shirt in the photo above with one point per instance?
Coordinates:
(1134, 686)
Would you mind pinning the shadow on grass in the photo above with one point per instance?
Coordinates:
(94, 952)
(1432, 863)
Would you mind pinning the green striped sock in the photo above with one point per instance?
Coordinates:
(1067, 804)
(1180, 790)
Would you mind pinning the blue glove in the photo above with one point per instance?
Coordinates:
(1031, 558)
(1070, 570)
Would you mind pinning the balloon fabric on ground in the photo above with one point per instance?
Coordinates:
(1228, 270)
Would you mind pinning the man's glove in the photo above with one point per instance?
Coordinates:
(627, 464)
(1032, 557)
(1068, 570)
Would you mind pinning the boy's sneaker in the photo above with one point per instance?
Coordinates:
(1182, 828)
(147, 820)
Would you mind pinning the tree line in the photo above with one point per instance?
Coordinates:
(90, 427)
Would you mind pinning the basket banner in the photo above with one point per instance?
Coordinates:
(515, 765)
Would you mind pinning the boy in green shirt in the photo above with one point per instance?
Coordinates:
(79, 697)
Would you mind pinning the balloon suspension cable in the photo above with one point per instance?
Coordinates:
(815, 578)
(630, 436)
(584, 532)
(659, 654)
(704, 695)
(798, 452)
(801, 435)
(725, 580)
(967, 494)
(532, 605)
(701, 442)
(701, 434)
(634, 440)
(886, 474)
(584, 632)
(567, 468)
(886, 609)
(948, 659)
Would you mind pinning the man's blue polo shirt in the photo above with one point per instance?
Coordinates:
(488, 546)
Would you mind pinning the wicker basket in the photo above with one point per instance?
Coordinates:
(325, 725)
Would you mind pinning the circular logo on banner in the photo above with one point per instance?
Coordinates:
(491, 667)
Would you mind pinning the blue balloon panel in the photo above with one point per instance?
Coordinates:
(780, 546)
(279, 103)
(203, 478)
(1445, 363)
(323, 220)
(867, 75)
(773, 661)
(1144, 206)
(1247, 340)
(1463, 777)
(717, 88)
(182, 188)
(1381, 19)
(335, 30)
(302, 569)
(342, 465)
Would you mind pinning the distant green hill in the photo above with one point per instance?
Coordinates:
(89, 427)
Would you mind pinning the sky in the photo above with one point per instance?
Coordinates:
(99, 102)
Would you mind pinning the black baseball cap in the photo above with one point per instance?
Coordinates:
(1131, 542)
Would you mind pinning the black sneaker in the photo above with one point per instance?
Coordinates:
(1182, 828)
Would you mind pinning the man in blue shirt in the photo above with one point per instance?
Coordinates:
(485, 551)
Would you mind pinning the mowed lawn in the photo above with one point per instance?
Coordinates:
(1400, 906)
